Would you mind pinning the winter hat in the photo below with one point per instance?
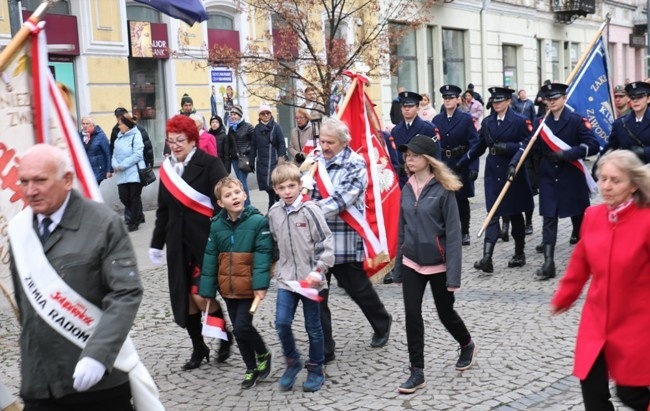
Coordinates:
(264, 107)
(186, 99)
(237, 110)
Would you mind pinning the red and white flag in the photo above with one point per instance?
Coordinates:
(303, 288)
(382, 193)
(215, 327)
(557, 144)
(35, 112)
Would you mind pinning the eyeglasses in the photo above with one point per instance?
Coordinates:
(177, 141)
(265, 113)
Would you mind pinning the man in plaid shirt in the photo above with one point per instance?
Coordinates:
(347, 172)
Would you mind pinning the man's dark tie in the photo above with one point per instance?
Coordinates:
(45, 229)
(408, 126)
(499, 122)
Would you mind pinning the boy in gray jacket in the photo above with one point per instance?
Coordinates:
(306, 252)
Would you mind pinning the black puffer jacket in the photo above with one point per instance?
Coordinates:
(243, 136)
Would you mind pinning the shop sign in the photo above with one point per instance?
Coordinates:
(148, 40)
(221, 76)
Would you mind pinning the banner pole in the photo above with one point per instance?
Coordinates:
(533, 139)
(9, 52)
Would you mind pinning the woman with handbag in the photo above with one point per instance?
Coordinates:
(241, 133)
(429, 252)
(268, 146)
(127, 158)
(184, 226)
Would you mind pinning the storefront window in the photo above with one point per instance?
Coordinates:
(453, 57)
(510, 66)
(147, 101)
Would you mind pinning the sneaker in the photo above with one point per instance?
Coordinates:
(415, 382)
(250, 379)
(315, 378)
(264, 365)
(294, 365)
(466, 357)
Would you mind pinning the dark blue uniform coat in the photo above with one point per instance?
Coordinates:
(515, 131)
(400, 135)
(620, 137)
(563, 190)
(455, 133)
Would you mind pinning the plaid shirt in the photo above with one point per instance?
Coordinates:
(349, 176)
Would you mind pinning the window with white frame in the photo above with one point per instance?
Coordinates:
(404, 60)
(453, 57)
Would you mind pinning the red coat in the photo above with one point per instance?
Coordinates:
(616, 313)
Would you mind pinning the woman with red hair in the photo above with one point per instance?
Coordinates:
(188, 176)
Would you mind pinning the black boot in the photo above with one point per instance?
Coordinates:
(548, 268)
(224, 348)
(539, 248)
(415, 381)
(519, 259)
(199, 349)
(505, 231)
(485, 263)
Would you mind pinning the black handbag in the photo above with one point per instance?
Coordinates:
(147, 175)
(245, 163)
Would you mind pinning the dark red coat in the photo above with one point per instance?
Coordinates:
(185, 231)
(616, 313)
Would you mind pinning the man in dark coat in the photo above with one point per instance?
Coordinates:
(563, 187)
(457, 135)
(406, 130)
(506, 134)
(396, 107)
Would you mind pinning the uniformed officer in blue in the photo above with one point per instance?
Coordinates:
(405, 130)
(457, 135)
(506, 134)
(632, 131)
(563, 190)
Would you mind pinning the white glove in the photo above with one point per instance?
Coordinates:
(156, 256)
(87, 373)
(307, 182)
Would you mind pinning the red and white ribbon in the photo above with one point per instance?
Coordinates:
(184, 192)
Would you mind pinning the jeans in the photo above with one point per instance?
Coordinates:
(243, 177)
(413, 287)
(286, 305)
(249, 340)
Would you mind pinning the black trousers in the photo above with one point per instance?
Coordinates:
(596, 395)
(249, 340)
(112, 399)
(413, 287)
(463, 211)
(272, 197)
(130, 196)
(517, 224)
(353, 279)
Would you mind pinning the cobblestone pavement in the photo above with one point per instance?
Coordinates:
(524, 359)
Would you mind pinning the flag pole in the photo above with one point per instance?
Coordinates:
(529, 147)
(9, 52)
(346, 100)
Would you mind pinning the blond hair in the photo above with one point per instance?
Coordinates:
(224, 183)
(285, 172)
(637, 172)
(444, 175)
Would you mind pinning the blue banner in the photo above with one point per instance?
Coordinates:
(590, 93)
(190, 11)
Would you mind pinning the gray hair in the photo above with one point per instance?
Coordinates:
(198, 120)
(336, 127)
(638, 173)
(56, 154)
(89, 118)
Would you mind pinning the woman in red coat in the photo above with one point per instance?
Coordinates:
(614, 252)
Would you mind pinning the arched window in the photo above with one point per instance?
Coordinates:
(220, 22)
(59, 7)
(142, 13)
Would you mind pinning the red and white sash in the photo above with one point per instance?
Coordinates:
(184, 192)
(352, 216)
(557, 144)
(67, 312)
